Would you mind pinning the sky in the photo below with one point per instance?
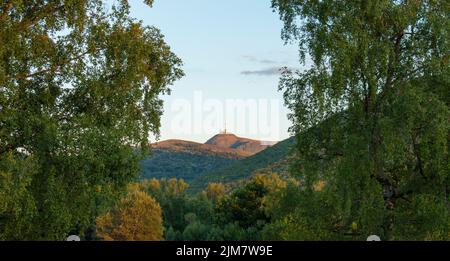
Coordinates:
(231, 51)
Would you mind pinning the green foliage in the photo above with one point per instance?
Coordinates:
(294, 218)
(244, 206)
(215, 214)
(427, 219)
(79, 90)
(272, 158)
(371, 116)
(195, 230)
(17, 206)
(136, 217)
(181, 165)
(173, 200)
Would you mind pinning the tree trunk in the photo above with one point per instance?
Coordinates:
(389, 205)
(379, 174)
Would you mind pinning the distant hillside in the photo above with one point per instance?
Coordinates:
(228, 140)
(185, 165)
(191, 160)
(188, 160)
(199, 148)
(271, 159)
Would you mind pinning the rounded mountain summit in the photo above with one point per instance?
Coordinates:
(229, 140)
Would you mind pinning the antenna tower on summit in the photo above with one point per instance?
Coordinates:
(225, 130)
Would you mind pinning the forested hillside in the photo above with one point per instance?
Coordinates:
(184, 165)
(190, 160)
(272, 159)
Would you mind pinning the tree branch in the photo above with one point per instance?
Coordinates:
(52, 68)
(391, 65)
(36, 14)
(6, 148)
(6, 9)
(419, 159)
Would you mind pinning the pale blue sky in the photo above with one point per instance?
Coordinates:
(230, 50)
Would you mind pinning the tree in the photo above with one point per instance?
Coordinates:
(79, 93)
(172, 197)
(136, 217)
(371, 113)
(16, 205)
(195, 230)
(214, 191)
(245, 206)
(186, 217)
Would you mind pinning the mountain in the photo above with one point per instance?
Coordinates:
(188, 160)
(228, 140)
(273, 158)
